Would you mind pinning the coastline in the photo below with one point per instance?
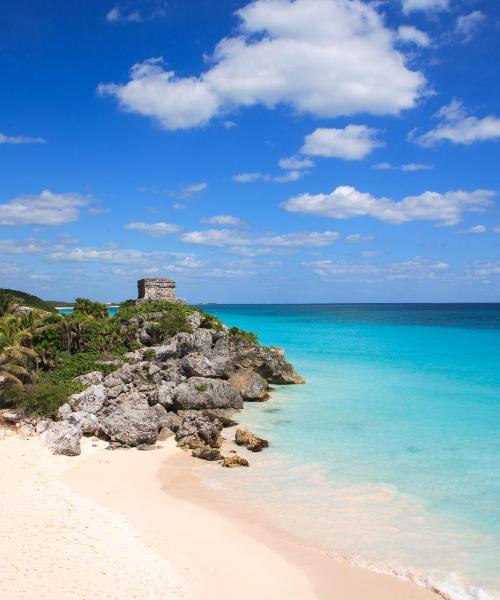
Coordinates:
(215, 545)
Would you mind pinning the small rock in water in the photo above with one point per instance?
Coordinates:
(235, 461)
(251, 441)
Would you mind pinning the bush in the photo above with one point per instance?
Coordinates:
(44, 398)
(249, 336)
(84, 306)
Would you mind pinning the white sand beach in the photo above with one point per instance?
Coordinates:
(130, 524)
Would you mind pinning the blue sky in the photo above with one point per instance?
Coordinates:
(266, 151)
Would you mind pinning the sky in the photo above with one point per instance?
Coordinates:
(280, 151)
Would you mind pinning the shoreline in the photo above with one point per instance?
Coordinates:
(215, 545)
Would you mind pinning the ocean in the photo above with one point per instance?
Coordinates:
(389, 455)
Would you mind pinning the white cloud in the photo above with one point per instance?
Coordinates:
(118, 15)
(359, 237)
(229, 124)
(45, 209)
(346, 202)
(20, 139)
(296, 163)
(456, 127)
(253, 177)
(385, 166)
(231, 238)
(417, 268)
(322, 57)
(159, 229)
(224, 220)
(30, 246)
(468, 25)
(475, 229)
(424, 5)
(188, 191)
(411, 35)
(354, 142)
(482, 270)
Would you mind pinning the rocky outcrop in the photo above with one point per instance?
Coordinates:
(250, 385)
(250, 441)
(189, 386)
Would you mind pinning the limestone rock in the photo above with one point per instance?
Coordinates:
(165, 434)
(225, 415)
(63, 438)
(90, 400)
(64, 411)
(194, 319)
(251, 441)
(131, 423)
(199, 341)
(206, 453)
(235, 461)
(92, 378)
(250, 385)
(86, 421)
(163, 395)
(196, 429)
(197, 365)
(200, 393)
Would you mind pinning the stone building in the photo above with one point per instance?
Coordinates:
(156, 289)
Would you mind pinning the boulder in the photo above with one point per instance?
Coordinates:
(199, 341)
(206, 453)
(250, 385)
(163, 395)
(92, 378)
(197, 365)
(250, 441)
(90, 400)
(63, 438)
(200, 392)
(225, 415)
(64, 411)
(194, 319)
(86, 421)
(235, 461)
(196, 430)
(130, 422)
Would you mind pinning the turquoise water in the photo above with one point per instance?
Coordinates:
(67, 310)
(390, 454)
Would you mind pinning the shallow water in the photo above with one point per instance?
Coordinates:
(390, 454)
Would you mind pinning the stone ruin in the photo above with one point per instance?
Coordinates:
(156, 289)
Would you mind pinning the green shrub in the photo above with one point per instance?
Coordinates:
(249, 336)
(149, 354)
(44, 398)
(84, 306)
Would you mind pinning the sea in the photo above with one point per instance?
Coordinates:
(389, 455)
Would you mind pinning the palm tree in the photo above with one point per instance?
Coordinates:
(15, 355)
(8, 303)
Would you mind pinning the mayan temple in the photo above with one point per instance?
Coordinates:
(156, 288)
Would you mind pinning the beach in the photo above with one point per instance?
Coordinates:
(141, 525)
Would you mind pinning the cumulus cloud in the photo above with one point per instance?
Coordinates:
(188, 191)
(411, 35)
(354, 142)
(321, 57)
(482, 270)
(457, 127)
(226, 220)
(159, 229)
(468, 25)
(20, 139)
(405, 167)
(45, 209)
(417, 268)
(231, 238)
(424, 5)
(346, 202)
(29, 246)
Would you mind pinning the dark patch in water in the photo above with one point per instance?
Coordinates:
(413, 449)
(282, 422)
(271, 410)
